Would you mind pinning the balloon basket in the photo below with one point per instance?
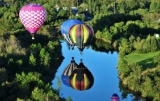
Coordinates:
(33, 37)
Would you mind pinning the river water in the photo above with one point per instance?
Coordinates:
(103, 68)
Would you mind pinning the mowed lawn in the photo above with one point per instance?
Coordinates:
(138, 58)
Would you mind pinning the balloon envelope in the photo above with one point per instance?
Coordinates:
(66, 26)
(81, 35)
(115, 97)
(32, 17)
(68, 71)
(81, 78)
(74, 10)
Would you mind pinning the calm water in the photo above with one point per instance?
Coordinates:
(103, 68)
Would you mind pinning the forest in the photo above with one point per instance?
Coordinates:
(131, 27)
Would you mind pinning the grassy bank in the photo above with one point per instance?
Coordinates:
(141, 58)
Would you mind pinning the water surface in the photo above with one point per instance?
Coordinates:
(102, 66)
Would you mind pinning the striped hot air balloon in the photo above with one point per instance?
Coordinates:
(115, 97)
(81, 35)
(68, 71)
(81, 78)
(32, 17)
(66, 26)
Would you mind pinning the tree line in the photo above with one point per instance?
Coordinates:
(27, 67)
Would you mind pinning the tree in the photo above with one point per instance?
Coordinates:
(157, 59)
(153, 7)
(59, 84)
(125, 46)
(123, 67)
(44, 57)
(98, 35)
(32, 60)
(69, 99)
(158, 7)
(38, 94)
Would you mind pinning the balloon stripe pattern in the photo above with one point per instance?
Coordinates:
(86, 82)
(32, 17)
(86, 36)
(74, 82)
(67, 72)
(70, 68)
(81, 78)
(115, 97)
(81, 35)
(66, 26)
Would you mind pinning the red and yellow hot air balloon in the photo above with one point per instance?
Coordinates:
(81, 35)
(81, 78)
(65, 27)
(32, 17)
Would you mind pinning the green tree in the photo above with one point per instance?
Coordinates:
(35, 48)
(157, 59)
(153, 7)
(44, 57)
(38, 94)
(59, 84)
(158, 7)
(123, 68)
(98, 35)
(69, 99)
(32, 60)
(125, 46)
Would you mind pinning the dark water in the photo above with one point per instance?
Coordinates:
(102, 66)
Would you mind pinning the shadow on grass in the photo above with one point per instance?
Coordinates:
(147, 63)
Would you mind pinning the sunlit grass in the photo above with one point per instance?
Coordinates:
(137, 57)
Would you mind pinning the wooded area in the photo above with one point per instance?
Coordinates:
(27, 66)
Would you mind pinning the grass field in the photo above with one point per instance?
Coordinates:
(142, 58)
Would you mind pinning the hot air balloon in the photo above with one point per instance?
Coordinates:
(32, 17)
(115, 97)
(68, 71)
(81, 35)
(74, 10)
(66, 26)
(81, 78)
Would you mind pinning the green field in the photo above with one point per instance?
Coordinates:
(141, 58)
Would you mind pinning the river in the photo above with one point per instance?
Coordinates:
(103, 68)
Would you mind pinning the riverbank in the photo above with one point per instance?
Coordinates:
(140, 74)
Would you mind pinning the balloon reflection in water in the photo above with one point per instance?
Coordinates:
(81, 35)
(68, 71)
(115, 97)
(81, 78)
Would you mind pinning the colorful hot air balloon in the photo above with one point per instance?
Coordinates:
(66, 26)
(68, 71)
(81, 78)
(81, 35)
(115, 97)
(32, 17)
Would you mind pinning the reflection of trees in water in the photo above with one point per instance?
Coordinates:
(99, 45)
(125, 92)
(102, 46)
